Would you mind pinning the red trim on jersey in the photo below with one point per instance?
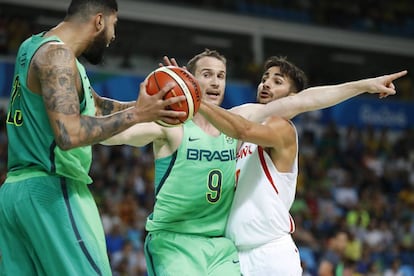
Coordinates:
(292, 224)
(265, 168)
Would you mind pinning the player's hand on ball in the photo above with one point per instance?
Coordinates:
(154, 107)
(185, 84)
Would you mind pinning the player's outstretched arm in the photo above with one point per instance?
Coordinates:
(137, 135)
(274, 133)
(323, 96)
(232, 125)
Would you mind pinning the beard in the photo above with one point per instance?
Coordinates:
(95, 52)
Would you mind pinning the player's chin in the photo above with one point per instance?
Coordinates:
(216, 100)
(264, 100)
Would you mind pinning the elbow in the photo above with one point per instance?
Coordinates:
(68, 134)
(66, 144)
(64, 147)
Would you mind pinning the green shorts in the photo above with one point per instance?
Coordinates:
(174, 254)
(50, 226)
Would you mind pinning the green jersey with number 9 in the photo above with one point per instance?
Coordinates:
(194, 187)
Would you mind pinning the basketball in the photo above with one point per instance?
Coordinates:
(186, 85)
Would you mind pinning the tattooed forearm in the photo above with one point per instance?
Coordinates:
(96, 128)
(105, 106)
(91, 130)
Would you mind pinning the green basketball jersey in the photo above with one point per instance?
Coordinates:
(32, 149)
(194, 187)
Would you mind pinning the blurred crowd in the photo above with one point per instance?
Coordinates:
(360, 181)
(376, 16)
(356, 180)
(13, 31)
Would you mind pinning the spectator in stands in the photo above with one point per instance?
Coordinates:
(333, 261)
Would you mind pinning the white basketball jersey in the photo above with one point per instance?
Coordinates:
(263, 197)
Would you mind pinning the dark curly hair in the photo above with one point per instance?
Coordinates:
(288, 69)
(84, 8)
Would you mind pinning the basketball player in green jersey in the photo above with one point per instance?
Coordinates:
(49, 223)
(195, 167)
(194, 183)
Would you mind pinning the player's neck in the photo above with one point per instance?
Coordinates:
(71, 35)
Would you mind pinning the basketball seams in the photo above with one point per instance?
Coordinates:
(186, 85)
(156, 80)
(178, 79)
(175, 91)
(153, 75)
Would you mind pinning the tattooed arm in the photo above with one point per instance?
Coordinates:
(106, 106)
(55, 76)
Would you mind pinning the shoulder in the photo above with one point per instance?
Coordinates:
(54, 52)
(246, 110)
(280, 124)
(283, 132)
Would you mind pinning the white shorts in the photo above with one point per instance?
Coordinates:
(280, 257)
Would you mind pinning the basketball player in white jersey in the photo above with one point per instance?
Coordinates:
(267, 166)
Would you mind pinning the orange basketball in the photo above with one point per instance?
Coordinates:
(186, 85)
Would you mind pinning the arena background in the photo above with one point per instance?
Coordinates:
(363, 147)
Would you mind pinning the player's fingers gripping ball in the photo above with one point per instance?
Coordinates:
(186, 85)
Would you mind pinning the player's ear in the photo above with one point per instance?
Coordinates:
(99, 21)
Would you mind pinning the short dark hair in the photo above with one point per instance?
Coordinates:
(191, 65)
(288, 69)
(85, 8)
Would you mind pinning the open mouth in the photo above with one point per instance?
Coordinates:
(213, 95)
(265, 95)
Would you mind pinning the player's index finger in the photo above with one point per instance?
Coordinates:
(399, 74)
